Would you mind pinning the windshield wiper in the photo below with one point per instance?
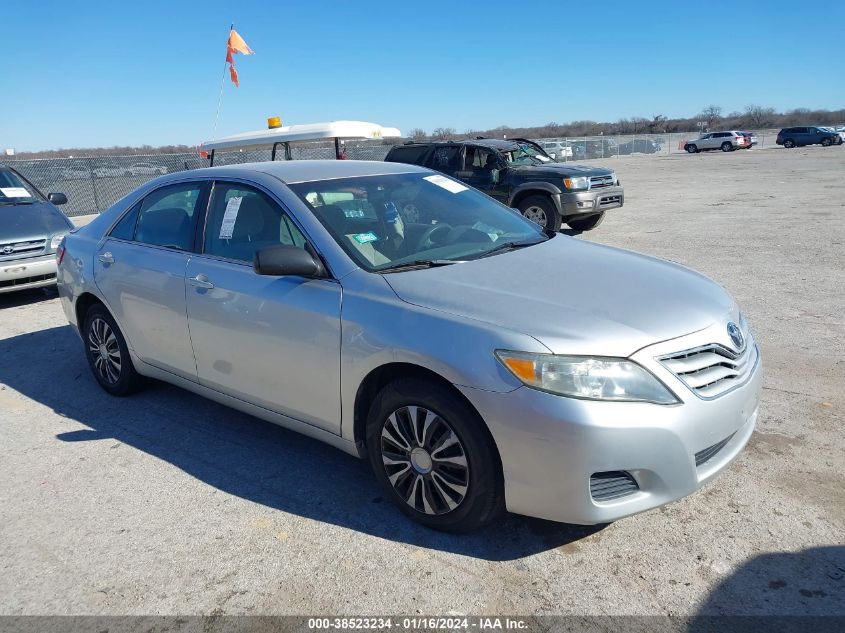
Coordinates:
(417, 263)
(509, 246)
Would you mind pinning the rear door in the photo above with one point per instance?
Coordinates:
(140, 269)
(445, 158)
(481, 170)
(271, 341)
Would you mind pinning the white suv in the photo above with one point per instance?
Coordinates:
(725, 141)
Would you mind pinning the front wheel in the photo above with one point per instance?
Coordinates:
(726, 147)
(825, 142)
(107, 353)
(692, 149)
(433, 456)
(585, 223)
(541, 210)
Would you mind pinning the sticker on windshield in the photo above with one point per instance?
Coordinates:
(227, 228)
(365, 238)
(446, 183)
(15, 192)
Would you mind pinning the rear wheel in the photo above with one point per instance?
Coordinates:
(692, 149)
(107, 353)
(585, 223)
(433, 455)
(541, 210)
(726, 146)
(789, 143)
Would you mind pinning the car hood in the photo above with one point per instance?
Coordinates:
(559, 170)
(31, 221)
(575, 297)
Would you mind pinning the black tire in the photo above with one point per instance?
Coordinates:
(691, 148)
(483, 497)
(826, 142)
(120, 381)
(727, 147)
(585, 223)
(539, 207)
(789, 143)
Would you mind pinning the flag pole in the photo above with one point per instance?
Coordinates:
(220, 98)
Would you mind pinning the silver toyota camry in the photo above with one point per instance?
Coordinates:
(400, 316)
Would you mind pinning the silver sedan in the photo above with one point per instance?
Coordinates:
(301, 293)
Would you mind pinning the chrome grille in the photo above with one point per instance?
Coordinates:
(28, 248)
(612, 485)
(22, 281)
(702, 457)
(606, 200)
(600, 181)
(713, 370)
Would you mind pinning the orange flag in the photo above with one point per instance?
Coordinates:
(236, 45)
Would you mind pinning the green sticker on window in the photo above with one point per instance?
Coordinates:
(364, 238)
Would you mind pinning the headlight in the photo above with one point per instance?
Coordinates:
(57, 239)
(581, 182)
(614, 379)
(615, 179)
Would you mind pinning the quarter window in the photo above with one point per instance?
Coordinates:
(242, 220)
(166, 216)
(445, 158)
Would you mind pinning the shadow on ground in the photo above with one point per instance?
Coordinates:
(241, 455)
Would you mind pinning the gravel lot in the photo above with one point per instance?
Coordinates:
(168, 503)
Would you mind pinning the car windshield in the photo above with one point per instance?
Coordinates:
(15, 190)
(525, 154)
(391, 221)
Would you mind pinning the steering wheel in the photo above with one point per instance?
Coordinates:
(425, 240)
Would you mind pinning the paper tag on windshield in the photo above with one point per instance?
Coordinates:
(446, 183)
(15, 192)
(229, 217)
(365, 238)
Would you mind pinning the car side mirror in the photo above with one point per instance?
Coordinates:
(57, 198)
(282, 259)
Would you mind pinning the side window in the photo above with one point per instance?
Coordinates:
(412, 154)
(242, 220)
(125, 229)
(480, 160)
(166, 217)
(445, 158)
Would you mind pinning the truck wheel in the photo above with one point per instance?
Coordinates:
(726, 147)
(789, 143)
(541, 210)
(587, 223)
(826, 142)
(692, 149)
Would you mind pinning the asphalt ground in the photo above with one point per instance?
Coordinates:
(167, 503)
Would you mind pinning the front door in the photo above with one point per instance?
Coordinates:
(140, 269)
(271, 341)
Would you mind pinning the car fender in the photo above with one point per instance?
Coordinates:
(530, 188)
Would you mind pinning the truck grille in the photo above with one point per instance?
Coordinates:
(713, 370)
(702, 457)
(16, 250)
(22, 281)
(612, 485)
(600, 181)
(610, 200)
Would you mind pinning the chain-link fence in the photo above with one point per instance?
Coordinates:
(95, 183)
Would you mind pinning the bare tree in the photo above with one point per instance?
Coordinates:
(417, 134)
(657, 124)
(444, 133)
(758, 116)
(711, 114)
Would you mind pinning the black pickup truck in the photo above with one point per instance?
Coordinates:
(520, 174)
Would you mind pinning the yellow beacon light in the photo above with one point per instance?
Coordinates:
(274, 122)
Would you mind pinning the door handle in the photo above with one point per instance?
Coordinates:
(200, 281)
(106, 258)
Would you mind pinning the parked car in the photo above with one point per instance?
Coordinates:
(106, 171)
(31, 230)
(520, 174)
(751, 139)
(146, 169)
(640, 146)
(589, 149)
(294, 291)
(799, 136)
(725, 141)
(75, 171)
(839, 133)
(559, 150)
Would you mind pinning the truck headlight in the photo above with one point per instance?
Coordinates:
(57, 239)
(581, 182)
(587, 377)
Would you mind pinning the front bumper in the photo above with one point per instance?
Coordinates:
(589, 202)
(551, 445)
(22, 274)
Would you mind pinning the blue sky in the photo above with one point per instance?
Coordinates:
(131, 73)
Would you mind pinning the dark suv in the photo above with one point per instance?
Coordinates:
(520, 174)
(798, 136)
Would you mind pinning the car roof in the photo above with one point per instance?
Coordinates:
(294, 171)
(494, 143)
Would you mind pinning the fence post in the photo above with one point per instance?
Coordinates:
(93, 184)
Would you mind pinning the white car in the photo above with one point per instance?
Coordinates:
(110, 170)
(146, 169)
(558, 149)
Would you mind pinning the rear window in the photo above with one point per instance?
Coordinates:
(412, 154)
